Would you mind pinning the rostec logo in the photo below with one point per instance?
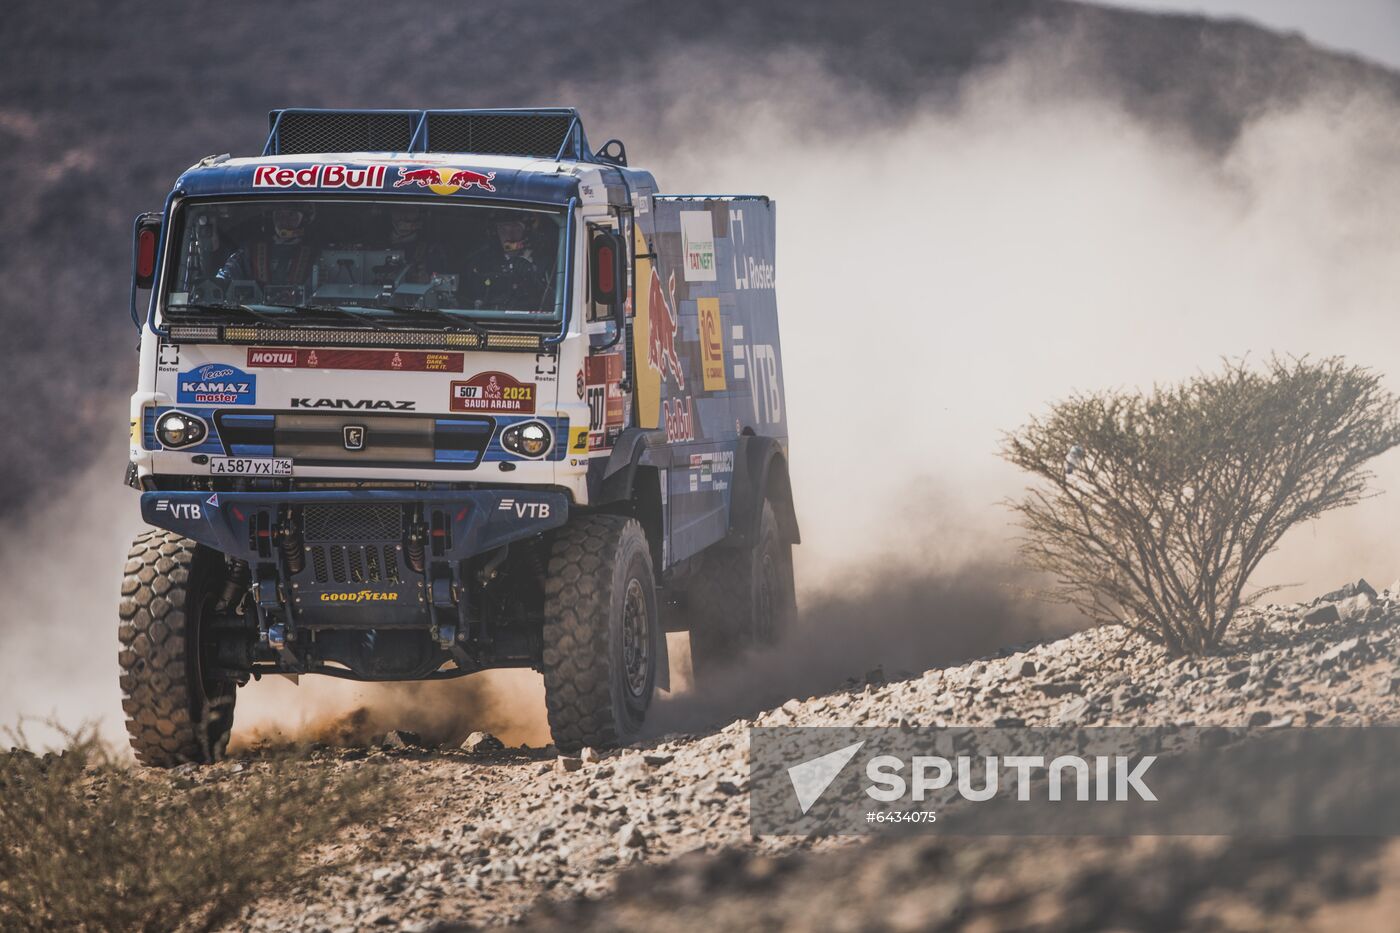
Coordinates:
(217, 384)
(662, 323)
(524, 509)
(184, 510)
(319, 176)
(446, 180)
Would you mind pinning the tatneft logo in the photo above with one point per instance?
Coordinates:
(892, 778)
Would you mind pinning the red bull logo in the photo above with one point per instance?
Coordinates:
(318, 176)
(661, 316)
(445, 180)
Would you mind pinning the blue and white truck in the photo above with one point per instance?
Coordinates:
(424, 393)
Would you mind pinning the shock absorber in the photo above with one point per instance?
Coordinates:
(236, 581)
(413, 549)
(290, 543)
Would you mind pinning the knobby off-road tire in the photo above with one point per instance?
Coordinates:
(601, 632)
(174, 712)
(741, 599)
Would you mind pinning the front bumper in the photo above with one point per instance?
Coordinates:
(357, 558)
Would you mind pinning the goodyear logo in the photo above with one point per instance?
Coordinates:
(362, 596)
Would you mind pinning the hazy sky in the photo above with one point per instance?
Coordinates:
(1370, 28)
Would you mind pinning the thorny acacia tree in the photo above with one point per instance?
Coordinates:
(1155, 509)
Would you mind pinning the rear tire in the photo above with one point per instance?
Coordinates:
(175, 712)
(601, 632)
(743, 598)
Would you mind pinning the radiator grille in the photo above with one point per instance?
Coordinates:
(352, 523)
(354, 563)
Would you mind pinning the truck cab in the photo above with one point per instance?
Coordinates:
(423, 393)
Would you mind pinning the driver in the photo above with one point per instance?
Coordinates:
(422, 257)
(506, 275)
(283, 259)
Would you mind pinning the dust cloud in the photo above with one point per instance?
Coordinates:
(942, 276)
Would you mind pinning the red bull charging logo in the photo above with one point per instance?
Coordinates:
(662, 323)
(445, 180)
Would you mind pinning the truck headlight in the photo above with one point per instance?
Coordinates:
(529, 439)
(177, 429)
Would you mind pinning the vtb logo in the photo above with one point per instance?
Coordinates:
(354, 436)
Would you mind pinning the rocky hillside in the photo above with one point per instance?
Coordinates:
(486, 835)
(102, 105)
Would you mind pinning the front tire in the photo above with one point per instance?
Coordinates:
(176, 712)
(601, 632)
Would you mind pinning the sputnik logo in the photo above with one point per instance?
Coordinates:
(811, 778)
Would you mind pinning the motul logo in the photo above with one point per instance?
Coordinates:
(358, 403)
(272, 358)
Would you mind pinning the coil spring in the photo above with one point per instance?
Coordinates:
(414, 549)
(290, 543)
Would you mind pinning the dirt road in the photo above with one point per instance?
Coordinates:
(501, 836)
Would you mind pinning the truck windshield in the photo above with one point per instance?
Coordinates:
(383, 262)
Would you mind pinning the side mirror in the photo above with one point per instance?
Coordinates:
(608, 272)
(144, 250)
(145, 243)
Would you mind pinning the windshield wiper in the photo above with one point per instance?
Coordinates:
(254, 313)
(447, 318)
(340, 309)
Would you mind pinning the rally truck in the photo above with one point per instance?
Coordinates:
(424, 393)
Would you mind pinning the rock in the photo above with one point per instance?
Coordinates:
(656, 759)
(588, 755)
(480, 742)
(1056, 689)
(1008, 722)
(1260, 718)
(1359, 588)
(400, 738)
(1072, 710)
(1340, 653)
(1236, 680)
(1322, 615)
(631, 768)
(630, 837)
(567, 763)
(1353, 607)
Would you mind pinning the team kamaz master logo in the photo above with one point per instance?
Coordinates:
(217, 384)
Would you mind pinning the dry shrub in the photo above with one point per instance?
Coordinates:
(1154, 509)
(87, 843)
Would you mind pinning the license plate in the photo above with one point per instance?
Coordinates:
(251, 466)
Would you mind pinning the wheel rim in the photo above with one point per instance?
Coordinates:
(636, 640)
